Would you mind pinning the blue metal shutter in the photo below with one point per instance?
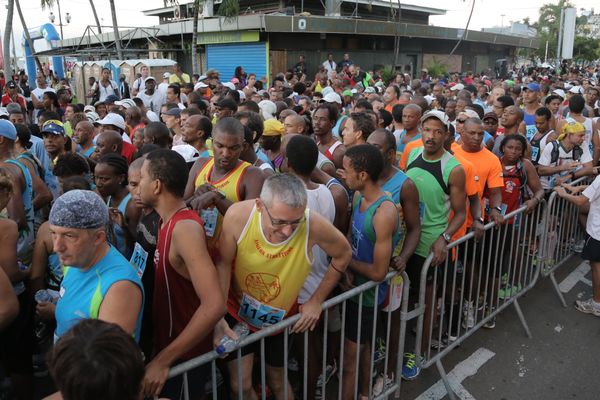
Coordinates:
(225, 57)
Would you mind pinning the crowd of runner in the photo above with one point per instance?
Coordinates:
(167, 211)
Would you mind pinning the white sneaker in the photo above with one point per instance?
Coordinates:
(468, 315)
(381, 383)
(588, 306)
(330, 370)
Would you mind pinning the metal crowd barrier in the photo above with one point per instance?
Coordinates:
(478, 280)
(561, 231)
(329, 306)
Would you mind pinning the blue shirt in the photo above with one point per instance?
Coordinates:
(82, 292)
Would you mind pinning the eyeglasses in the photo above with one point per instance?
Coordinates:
(281, 223)
(461, 121)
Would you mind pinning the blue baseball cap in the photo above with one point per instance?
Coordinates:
(54, 127)
(534, 87)
(8, 130)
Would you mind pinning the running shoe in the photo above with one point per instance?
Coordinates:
(382, 382)
(588, 306)
(468, 315)
(507, 291)
(330, 370)
(410, 369)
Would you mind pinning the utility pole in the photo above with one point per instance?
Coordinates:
(560, 33)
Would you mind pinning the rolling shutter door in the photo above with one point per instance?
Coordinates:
(225, 57)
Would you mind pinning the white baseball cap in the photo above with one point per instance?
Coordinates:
(437, 114)
(229, 85)
(559, 92)
(332, 97)
(200, 85)
(113, 119)
(126, 103)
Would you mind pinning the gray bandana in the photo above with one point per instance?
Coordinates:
(79, 209)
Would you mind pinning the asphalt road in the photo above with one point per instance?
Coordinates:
(560, 362)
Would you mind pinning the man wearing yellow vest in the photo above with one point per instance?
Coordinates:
(215, 183)
(266, 255)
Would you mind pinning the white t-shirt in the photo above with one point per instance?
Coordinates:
(320, 200)
(153, 102)
(40, 92)
(563, 157)
(163, 87)
(105, 91)
(592, 192)
(140, 85)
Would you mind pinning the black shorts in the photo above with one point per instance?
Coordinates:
(274, 347)
(591, 250)
(18, 339)
(352, 323)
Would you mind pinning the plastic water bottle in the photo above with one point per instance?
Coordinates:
(45, 296)
(227, 344)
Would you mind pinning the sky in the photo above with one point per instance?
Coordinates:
(487, 13)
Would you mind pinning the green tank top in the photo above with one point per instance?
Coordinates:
(431, 178)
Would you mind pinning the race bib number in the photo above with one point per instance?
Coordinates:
(209, 217)
(535, 151)
(530, 131)
(138, 259)
(258, 314)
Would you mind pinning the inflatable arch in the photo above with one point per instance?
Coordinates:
(48, 32)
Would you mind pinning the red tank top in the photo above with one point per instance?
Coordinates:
(175, 300)
(513, 185)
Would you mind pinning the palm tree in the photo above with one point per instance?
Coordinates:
(7, 31)
(28, 37)
(95, 16)
(228, 9)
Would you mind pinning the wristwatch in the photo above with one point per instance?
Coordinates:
(497, 208)
(446, 237)
(481, 220)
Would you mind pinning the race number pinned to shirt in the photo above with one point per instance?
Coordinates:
(530, 131)
(138, 259)
(209, 216)
(258, 314)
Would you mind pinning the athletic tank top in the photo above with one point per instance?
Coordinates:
(267, 277)
(393, 188)
(400, 146)
(537, 146)
(514, 184)
(120, 241)
(431, 178)
(54, 271)
(530, 129)
(175, 300)
(363, 241)
(230, 186)
(320, 201)
(329, 153)
(82, 292)
(26, 236)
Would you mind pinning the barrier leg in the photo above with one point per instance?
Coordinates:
(522, 318)
(186, 388)
(442, 372)
(557, 290)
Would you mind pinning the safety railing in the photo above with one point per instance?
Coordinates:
(478, 280)
(388, 328)
(562, 233)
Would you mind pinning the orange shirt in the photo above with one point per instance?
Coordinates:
(488, 169)
(471, 188)
(410, 146)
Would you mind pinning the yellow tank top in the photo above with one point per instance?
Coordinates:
(229, 185)
(266, 277)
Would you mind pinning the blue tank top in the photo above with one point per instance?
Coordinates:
(393, 188)
(363, 246)
(530, 128)
(338, 124)
(120, 241)
(26, 236)
(54, 273)
(82, 292)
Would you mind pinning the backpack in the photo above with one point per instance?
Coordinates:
(577, 152)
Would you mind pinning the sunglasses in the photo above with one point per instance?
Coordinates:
(278, 223)
(461, 121)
